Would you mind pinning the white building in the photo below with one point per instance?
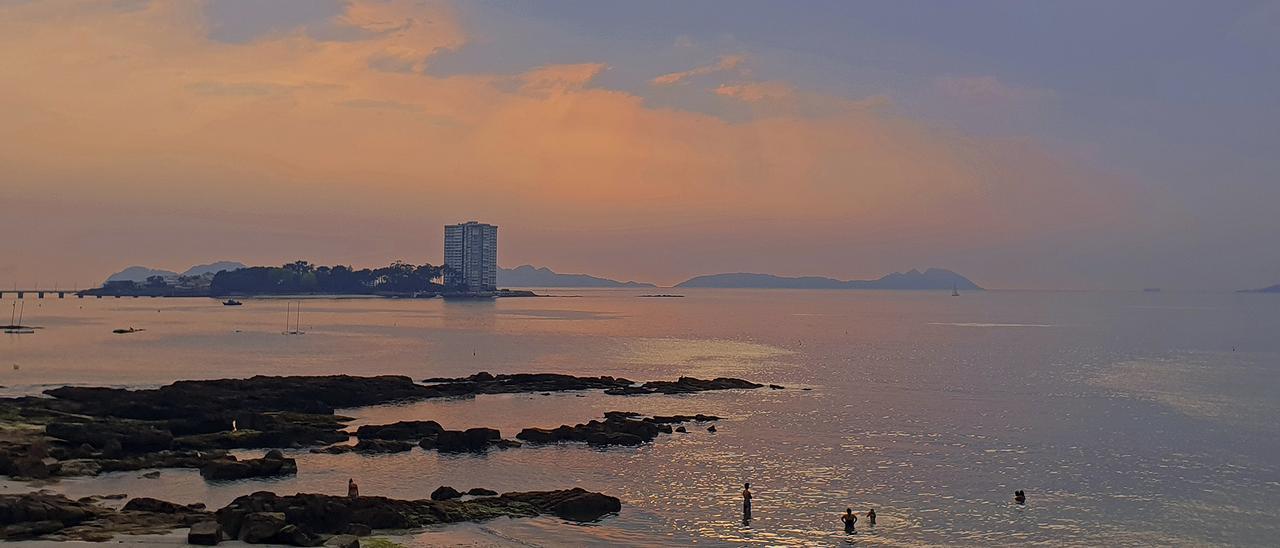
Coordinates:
(471, 253)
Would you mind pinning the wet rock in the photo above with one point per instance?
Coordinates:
(685, 385)
(382, 446)
(629, 391)
(205, 533)
(618, 428)
(485, 383)
(151, 475)
(343, 541)
(37, 514)
(358, 529)
(711, 428)
(444, 492)
(681, 429)
(403, 430)
(23, 515)
(481, 492)
(264, 515)
(334, 449)
(32, 529)
(147, 504)
(776, 387)
(131, 436)
(261, 527)
(471, 439)
(273, 464)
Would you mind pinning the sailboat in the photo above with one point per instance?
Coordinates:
(18, 328)
(297, 318)
(955, 292)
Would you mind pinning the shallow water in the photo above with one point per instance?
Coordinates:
(1129, 418)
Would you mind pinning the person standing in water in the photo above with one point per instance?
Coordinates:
(849, 519)
(871, 517)
(1019, 497)
(353, 490)
(746, 501)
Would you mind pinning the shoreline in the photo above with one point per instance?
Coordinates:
(87, 431)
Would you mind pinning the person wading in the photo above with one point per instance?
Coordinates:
(746, 501)
(353, 490)
(849, 519)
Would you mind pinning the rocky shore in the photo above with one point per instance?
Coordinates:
(297, 520)
(191, 424)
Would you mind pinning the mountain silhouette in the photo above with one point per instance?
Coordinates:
(933, 278)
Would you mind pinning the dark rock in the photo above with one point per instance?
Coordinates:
(471, 439)
(681, 429)
(484, 383)
(382, 446)
(481, 492)
(403, 430)
(261, 527)
(685, 385)
(36, 514)
(776, 387)
(334, 449)
(358, 529)
(629, 391)
(264, 515)
(574, 504)
(711, 428)
(343, 541)
(32, 529)
(444, 492)
(205, 533)
(151, 475)
(26, 510)
(618, 428)
(232, 469)
(132, 436)
(147, 504)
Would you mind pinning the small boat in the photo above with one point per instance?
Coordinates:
(16, 327)
(231, 302)
(297, 319)
(129, 330)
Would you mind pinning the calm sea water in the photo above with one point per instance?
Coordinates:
(1128, 418)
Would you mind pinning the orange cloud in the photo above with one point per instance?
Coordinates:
(287, 133)
(725, 63)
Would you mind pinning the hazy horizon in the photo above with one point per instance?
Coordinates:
(1087, 145)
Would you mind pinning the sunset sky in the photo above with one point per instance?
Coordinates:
(1090, 145)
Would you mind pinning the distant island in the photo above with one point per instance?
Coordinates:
(933, 278)
(530, 276)
(1271, 289)
(229, 279)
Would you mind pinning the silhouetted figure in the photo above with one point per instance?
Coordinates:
(746, 501)
(1019, 497)
(871, 516)
(353, 490)
(849, 519)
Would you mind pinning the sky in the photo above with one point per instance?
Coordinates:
(1038, 145)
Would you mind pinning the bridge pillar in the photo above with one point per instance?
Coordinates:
(79, 295)
(1, 295)
(62, 294)
(20, 295)
(39, 294)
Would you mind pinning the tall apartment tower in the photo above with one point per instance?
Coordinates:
(471, 252)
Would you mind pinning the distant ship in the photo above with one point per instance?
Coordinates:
(231, 302)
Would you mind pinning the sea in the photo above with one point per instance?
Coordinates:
(1128, 418)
